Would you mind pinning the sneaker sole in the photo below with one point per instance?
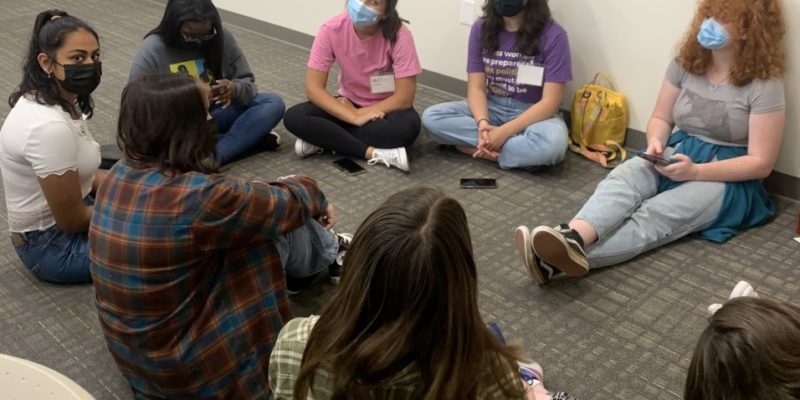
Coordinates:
(551, 247)
(522, 239)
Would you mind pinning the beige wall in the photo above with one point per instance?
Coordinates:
(631, 40)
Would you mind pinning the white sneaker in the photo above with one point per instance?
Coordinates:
(391, 158)
(305, 149)
(742, 289)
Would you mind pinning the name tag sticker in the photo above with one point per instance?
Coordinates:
(382, 83)
(530, 75)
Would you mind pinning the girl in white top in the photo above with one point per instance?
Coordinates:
(48, 159)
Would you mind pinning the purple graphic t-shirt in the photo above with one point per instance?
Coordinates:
(501, 67)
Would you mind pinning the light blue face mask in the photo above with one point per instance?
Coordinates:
(361, 15)
(712, 34)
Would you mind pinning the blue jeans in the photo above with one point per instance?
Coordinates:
(242, 126)
(307, 250)
(543, 143)
(53, 255)
(631, 217)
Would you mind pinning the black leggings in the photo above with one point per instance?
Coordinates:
(314, 125)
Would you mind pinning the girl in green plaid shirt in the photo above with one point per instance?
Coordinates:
(404, 322)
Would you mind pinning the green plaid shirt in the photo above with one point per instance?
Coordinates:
(284, 367)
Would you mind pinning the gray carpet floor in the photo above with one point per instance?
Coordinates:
(625, 332)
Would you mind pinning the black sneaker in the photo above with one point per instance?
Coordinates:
(296, 285)
(561, 247)
(269, 142)
(540, 271)
(562, 396)
(335, 269)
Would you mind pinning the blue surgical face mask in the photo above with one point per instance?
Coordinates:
(712, 34)
(361, 15)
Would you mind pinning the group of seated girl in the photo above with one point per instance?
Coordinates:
(192, 268)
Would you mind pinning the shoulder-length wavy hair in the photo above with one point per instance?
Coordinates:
(750, 350)
(48, 36)
(179, 11)
(408, 298)
(163, 123)
(537, 16)
(758, 47)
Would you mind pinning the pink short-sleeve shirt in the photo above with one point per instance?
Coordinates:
(360, 59)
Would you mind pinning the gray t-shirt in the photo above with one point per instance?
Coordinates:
(721, 116)
(155, 56)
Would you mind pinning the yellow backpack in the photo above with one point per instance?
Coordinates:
(599, 122)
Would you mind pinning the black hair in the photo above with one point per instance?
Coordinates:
(537, 16)
(391, 22)
(49, 31)
(179, 11)
(163, 123)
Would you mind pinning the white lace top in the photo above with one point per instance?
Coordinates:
(37, 141)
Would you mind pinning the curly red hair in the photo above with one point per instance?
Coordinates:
(759, 52)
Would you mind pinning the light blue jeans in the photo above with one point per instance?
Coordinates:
(307, 250)
(630, 217)
(543, 143)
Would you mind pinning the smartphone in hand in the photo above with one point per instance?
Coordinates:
(654, 159)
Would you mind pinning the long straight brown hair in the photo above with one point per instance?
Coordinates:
(750, 350)
(408, 298)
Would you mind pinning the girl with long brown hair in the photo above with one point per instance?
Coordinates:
(404, 321)
(724, 93)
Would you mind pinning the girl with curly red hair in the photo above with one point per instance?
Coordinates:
(724, 94)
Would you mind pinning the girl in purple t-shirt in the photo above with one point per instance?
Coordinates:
(518, 66)
(373, 117)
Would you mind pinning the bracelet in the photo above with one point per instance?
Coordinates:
(483, 119)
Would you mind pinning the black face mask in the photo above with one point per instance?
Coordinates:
(81, 79)
(193, 45)
(508, 8)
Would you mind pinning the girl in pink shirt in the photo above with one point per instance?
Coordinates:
(373, 117)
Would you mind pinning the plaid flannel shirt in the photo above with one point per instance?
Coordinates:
(189, 286)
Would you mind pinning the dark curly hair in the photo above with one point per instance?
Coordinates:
(537, 16)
